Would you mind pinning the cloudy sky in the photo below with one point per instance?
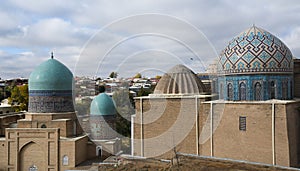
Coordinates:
(96, 37)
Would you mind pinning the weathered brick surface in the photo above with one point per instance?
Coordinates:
(3, 155)
(255, 144)
(32, 146)
(167, 124)
(6, 120)
(43, 140)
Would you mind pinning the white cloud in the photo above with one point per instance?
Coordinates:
(29, 30)
(292, 41)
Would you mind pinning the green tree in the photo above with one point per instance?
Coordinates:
(2, 93)
(113, 75)
(138, 75)
(144, 92)
(123, 102)
(19, 97)
(158, 77)
(83, 107)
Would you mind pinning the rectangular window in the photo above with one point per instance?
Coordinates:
(242, 123)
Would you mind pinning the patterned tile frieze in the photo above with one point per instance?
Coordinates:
(50, 93)
(255, 87)
(50, 104)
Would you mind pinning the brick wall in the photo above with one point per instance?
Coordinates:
(32, 146)
(255, 144)
(158, 134)
(3, 157)
(297, 78)
(168, 125)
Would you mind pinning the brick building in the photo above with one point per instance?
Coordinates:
(254, 118)
(50, 136)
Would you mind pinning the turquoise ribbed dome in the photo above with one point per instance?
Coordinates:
(51, 75)
(102, 105)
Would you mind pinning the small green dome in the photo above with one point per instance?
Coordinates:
(51, 75)
(102, 104)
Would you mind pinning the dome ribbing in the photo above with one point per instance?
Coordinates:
(179, 80)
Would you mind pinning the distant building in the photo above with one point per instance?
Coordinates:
(102, 122)
(85, 86)
(5, 107)
(8, 117)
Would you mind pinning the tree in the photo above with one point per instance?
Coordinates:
(138, 75)
(19, 97)
(97, 79)
(144, 92)
(123, 102)
(2, 93)
(113, 75)
(158, 77)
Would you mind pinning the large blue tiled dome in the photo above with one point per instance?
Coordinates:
(50, 88)
(51, 75)
(256, 50)
(255, 65)
(102, 104)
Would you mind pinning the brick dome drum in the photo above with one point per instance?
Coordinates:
(256, 50)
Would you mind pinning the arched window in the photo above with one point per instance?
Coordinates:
(272, 90)
(284, 90)
(242, 91)
(257, 91)
(99, 151)
(65, 160)
(33, 168)
(229, 91)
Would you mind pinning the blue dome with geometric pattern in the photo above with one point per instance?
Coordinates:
(51, 75)
(102, 104)
(256, 50)
(255, 66)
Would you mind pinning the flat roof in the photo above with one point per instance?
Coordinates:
(275, 101)
(72, 138)
(175, 96)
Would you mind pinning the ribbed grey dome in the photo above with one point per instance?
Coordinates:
(179, 80)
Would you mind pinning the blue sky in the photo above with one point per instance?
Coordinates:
(81, 33)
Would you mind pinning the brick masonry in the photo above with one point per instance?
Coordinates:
(158, 135)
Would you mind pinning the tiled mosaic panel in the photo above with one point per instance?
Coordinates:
(103, 127)
(44, 101)
(256, 51)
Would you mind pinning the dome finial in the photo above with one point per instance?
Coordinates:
(254, 28)
(52, 55)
